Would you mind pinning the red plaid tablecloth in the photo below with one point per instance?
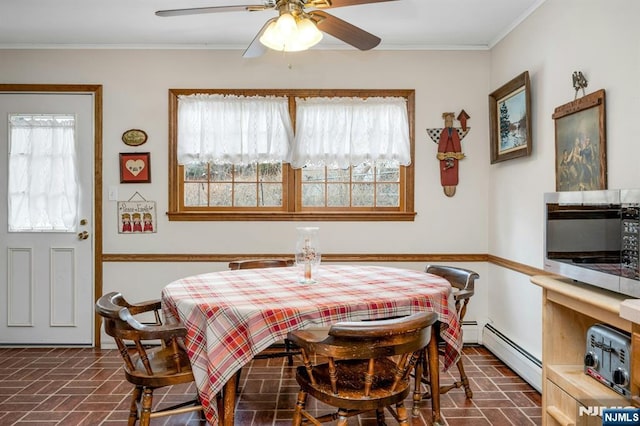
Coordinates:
(233, 315)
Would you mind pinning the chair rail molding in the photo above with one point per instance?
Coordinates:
(329, 257)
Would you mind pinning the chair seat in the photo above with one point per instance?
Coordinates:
(164, 369)
(350, 374)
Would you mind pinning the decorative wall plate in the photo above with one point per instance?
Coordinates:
(134, 137)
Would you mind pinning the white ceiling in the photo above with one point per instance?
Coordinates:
(402, 24)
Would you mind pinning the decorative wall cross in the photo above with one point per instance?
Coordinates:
(450, 152)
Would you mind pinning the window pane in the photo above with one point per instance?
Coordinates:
(195, 172)
(220, 195)
(221, 172)
(195, 195)
(338, 195)
(362, 194)
(363, 173)
(246, 173)
(388, 174)
(338, 175)
(245, 195)
(270, 195)
(270, 172)
(313, 195)
(313, 174)
(387, 195)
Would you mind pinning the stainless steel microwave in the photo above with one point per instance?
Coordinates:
(593, 237)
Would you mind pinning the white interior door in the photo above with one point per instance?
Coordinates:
(46, 272)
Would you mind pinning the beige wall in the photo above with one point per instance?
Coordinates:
(601, 39)
(135, 96)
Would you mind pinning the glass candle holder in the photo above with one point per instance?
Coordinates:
(307, 252)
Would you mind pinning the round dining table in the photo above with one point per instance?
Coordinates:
(231, 316)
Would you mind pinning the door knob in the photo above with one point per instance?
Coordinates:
(83, 235)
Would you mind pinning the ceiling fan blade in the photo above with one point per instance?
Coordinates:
(350, 34)
(326, 4)
(213, 9)
(256, 48)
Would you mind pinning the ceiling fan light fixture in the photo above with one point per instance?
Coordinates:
(308, 33)
(287, 26)
(272, 37)
(281, 35)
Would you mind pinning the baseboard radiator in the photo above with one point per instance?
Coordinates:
(513, 355)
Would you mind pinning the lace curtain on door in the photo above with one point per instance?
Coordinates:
(43, 187)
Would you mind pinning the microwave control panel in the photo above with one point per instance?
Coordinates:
(630, 261)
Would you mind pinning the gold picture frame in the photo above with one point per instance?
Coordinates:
(580, 137)
(510, 120)
(134, 137)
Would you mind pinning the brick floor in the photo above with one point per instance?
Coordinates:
(46, 387)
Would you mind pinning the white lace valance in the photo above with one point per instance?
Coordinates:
(342, 132)
(233, 129)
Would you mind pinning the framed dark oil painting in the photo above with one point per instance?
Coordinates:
(581, 162)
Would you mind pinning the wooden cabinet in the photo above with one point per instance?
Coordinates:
(569, 310)
(563, 409)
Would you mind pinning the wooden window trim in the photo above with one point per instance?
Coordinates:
(293, 210)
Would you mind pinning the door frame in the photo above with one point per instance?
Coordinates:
(96, 91)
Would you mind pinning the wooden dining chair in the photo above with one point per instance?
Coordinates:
(368, 367)
(260, 263)
(146, 366)
(271, 352)
(463, 281)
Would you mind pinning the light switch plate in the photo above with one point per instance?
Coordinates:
(113, 193)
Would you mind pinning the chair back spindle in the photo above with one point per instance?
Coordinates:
(368, 364)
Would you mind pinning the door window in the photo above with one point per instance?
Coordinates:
(43, 183)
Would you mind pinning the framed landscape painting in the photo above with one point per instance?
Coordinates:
(581, 162)
(510, 119)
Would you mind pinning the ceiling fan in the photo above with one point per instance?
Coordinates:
(295, 28)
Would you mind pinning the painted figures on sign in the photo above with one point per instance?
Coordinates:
(148, 222)
(136, 217)
(137, 224)
(126, 222)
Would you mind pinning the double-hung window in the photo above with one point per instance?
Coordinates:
(291, 154)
